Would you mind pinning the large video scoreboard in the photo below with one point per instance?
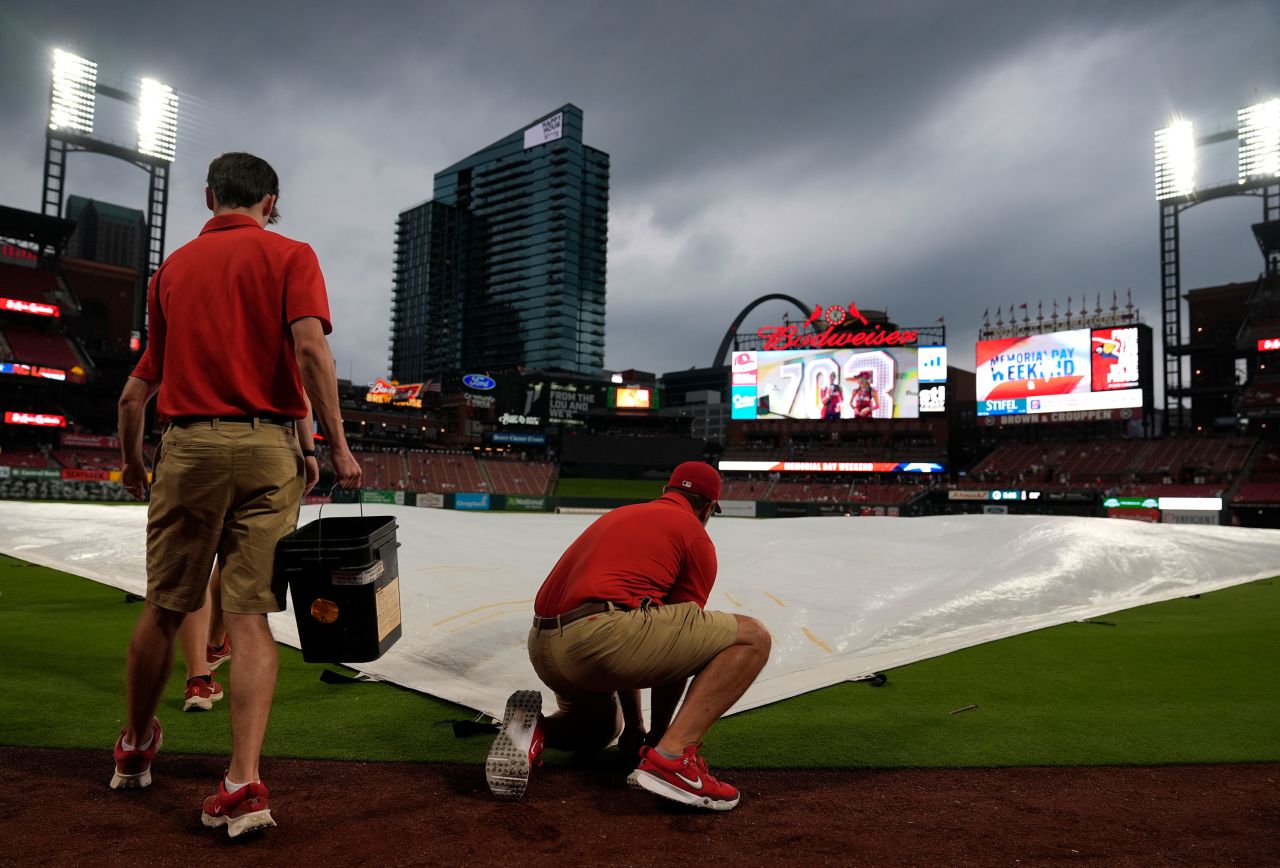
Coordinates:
(1082, 370)
(852, 383)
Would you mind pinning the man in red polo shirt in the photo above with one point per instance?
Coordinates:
(623, 610)
(237, 325)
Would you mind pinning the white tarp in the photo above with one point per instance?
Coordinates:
(843, 597)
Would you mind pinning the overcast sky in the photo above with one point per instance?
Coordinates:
(931, 158)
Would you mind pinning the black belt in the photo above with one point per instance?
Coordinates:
(267, 418)
(577, 615)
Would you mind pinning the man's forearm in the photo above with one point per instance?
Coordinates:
(316, 366)
(306, 434)
(132, 415)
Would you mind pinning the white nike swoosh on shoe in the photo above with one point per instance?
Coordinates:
(697, 785)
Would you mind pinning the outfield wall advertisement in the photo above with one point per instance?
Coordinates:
(1077, 371)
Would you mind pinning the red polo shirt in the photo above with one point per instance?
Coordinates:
(219, 311)
(658, 550)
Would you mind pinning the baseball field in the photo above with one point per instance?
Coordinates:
(1145, 736)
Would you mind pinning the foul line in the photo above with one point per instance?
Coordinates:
(816, 641)
(481, 609)
(489, 617)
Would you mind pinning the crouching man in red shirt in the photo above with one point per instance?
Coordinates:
(622, 611)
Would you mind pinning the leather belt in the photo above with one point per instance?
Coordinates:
(564, 620)
(267, 418)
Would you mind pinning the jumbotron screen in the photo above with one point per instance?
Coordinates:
(1063, 372)
(897, 383)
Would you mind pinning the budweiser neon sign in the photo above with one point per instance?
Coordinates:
(34, 307)
(382, 392)
(1268, 344)
(43, 420)
(793, 337)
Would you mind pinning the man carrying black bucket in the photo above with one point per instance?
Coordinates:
(237, 325)
(621, 611)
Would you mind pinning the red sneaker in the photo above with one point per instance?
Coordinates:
(518, 747)
(242, 811)
(133, 767)
(216, 655)
(201, 694)
(686, 780)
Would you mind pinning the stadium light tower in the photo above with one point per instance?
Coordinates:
(73, 93)
(1260, 141)
(1257, 135)
(1175, 160)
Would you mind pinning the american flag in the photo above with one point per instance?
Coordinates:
(432, 385)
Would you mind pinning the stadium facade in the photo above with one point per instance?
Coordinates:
(504, 268)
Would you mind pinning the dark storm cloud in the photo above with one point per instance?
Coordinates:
(932, 158)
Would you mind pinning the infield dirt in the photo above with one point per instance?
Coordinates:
(56, 809)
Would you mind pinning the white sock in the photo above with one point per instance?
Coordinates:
(232, 788)
(151, 736)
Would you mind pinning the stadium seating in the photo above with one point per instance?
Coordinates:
(1013, 460)
(517, 477)
(38, 348)
(444, 472)
(381, 469)
(1098, 458)
(1209, 489)
(744, 489)
(88, 459)
(23, 458)
(884, 494)
(27, 284)
(1258, 492)
(810, 492)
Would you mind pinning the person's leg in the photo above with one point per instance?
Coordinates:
(193, 636)
(583, 723)
(269, 488)
(719, 685)
(255, 676)
(217, 627)
(663, 701)
(150, 662)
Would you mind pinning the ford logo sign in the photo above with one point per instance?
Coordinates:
(478, 381)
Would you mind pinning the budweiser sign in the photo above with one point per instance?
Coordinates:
(792, 337)
(44, 420)
(35, 307)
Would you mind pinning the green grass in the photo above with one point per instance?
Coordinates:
(633, 489)
(1185, 681)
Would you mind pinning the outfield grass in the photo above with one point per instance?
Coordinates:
(634, 489)
(1185, 681)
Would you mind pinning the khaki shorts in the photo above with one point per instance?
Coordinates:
(590, 659)
(228, 490)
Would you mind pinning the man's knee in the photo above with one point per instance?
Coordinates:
(752, 632)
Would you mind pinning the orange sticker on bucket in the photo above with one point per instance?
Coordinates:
(324, 611)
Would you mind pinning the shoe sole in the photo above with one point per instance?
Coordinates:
(507, 767)
(641, 780)
(141, 780)
(250, 822)
(198, 703)
(214, 664)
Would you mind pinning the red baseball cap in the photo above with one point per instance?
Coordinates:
(699, 478)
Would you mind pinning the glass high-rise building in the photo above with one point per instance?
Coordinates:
(504, 268)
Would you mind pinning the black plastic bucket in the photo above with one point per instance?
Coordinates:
(344, 579)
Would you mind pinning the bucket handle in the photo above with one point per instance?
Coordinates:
(320, 517)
